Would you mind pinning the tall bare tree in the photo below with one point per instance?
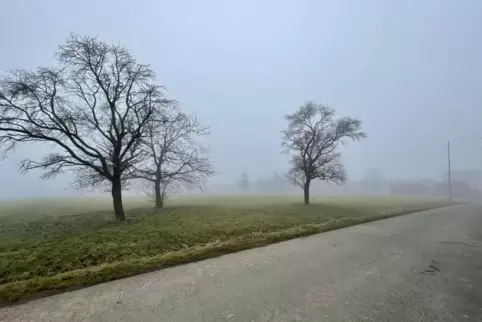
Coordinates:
(173, 154)
(313, 138)
(94, 108)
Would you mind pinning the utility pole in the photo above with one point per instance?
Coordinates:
(449, 172)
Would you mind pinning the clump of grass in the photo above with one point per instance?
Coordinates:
(49, 252)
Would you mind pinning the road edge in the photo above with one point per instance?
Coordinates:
(20, 292)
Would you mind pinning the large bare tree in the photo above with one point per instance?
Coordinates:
(173, 153)
(313, 138)
(94, 108)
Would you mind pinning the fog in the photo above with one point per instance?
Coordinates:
(410, 70)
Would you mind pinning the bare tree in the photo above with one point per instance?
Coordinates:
(93, 108)
(167, 187)
(243, 182)
(313, 137)
(374, 180)
(172, 153)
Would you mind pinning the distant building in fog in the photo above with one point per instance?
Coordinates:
(472, 177)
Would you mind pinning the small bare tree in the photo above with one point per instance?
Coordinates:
(172, 153)
(243, 182)
(94, 109)
(313, 137)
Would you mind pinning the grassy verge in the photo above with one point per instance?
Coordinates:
(54, 250)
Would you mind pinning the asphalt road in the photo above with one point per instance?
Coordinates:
(421, 267)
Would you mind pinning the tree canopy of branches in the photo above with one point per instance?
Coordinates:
(94, 108)
(173, 155)
(313, 137)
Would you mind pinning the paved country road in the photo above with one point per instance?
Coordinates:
(421, 267)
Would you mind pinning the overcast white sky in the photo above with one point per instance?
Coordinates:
(411, 70)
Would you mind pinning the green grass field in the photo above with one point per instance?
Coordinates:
(51, 244)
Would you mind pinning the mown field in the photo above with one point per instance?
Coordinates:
(48, 244)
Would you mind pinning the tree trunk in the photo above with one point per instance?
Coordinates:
(159, 196)
(306, 191)
(117, 199)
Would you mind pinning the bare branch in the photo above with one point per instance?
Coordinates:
(171, 149)
(312, 138)
(95, 108)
